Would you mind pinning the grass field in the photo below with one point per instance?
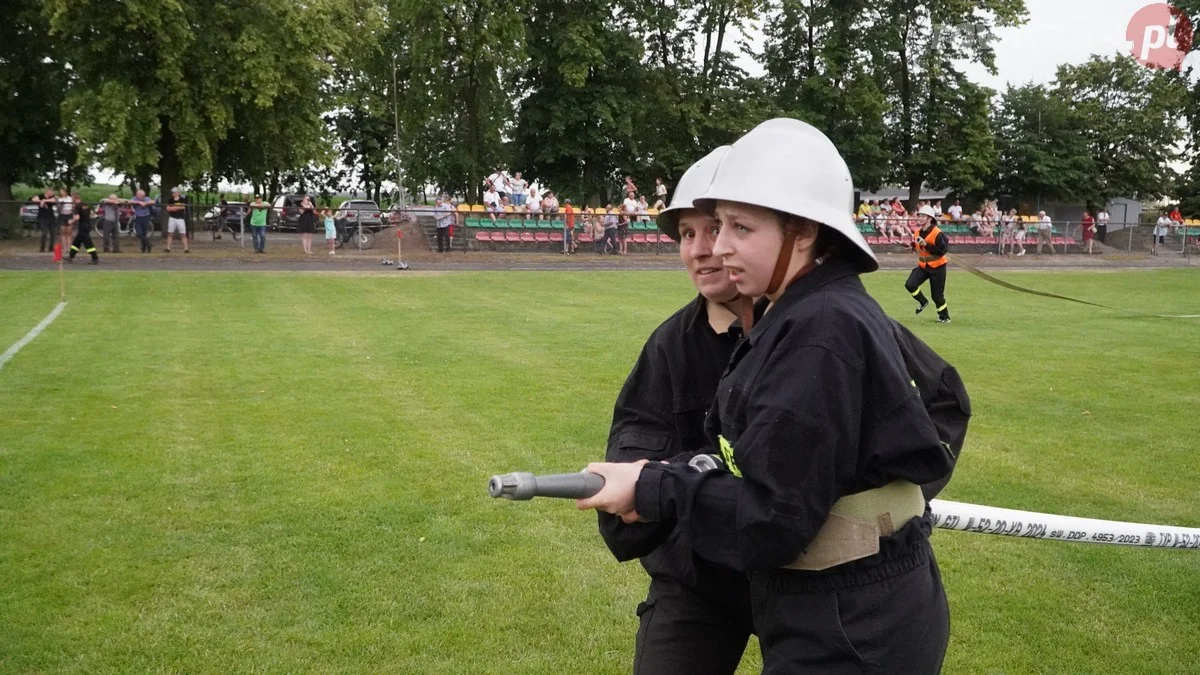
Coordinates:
(217, 472)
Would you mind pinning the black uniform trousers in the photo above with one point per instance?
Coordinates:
(83, 240)
(937, 287)
(443, 237)
(688, 629)
(884, 614)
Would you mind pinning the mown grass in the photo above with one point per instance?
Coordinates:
(215, 472)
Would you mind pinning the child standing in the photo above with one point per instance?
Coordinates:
(330, 230)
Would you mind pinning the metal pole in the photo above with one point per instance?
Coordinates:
(396, 116)
(358, 228)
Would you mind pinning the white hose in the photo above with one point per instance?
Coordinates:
(1012, 523)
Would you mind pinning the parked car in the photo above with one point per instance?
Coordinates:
(29, 213)
(354, 213)
(235, 212)
(285, 212)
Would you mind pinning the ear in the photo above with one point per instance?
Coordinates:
(806, 233)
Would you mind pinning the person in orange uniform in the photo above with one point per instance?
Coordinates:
(931, 245)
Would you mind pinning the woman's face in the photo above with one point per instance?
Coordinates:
(697, 235)
(748, 245)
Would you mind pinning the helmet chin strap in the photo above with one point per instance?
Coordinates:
(778, 278)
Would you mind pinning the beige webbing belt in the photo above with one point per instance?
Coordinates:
(856, 523)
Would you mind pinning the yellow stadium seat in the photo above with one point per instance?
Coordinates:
(652, 212)
(478, 208)
(463, 208)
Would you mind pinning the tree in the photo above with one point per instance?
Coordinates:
(1131, 122)
(31, 90)
(818, 69)
(1043, 148)
(577, 127)
(938, 122)
(161, 83)
(455, 65)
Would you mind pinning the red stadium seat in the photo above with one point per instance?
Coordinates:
(873, 240)
(637, 238)
(585, 238)
(510, 236)
(654, 238)
(483, 236)
(527, 237)
(542, 237)
(556, 236)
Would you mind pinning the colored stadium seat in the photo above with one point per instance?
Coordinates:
(873, 240)
(556, 237)
(638, 238)
(585, 238)
(511, 236)
(483, 236)
(541, 237)
(527, 237)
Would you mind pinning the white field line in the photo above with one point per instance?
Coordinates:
(37, 330)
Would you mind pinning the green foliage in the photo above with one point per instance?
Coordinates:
(456, 64)
(32, 83)
(938, 122)
(1131, 121)
(1043, 148)
(161, 83)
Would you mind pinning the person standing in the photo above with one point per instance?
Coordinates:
(1161, 228)
(1088, 232)
(330, 230)
(110, 223)
(177, 206)
(1102, 221)
(1045, 231)
(258, 223)
(47, 218)
(517, 186)
(443, 212)
(818, 495)
(696, 618)
(66, 218)
(83, 231)
(931, 245)
(141, 218)
(306, 224)
(629, 210)
(568, 227)
(608, 242)
(660, 194)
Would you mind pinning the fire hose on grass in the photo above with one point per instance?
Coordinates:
(947, 515)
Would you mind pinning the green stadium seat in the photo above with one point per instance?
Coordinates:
(474, 222)
(546, 224)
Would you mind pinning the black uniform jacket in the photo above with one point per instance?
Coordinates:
(816, 404)
(660, 415)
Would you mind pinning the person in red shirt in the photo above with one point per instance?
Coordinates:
(898, 208)
(1176, 219)
(569, 244)
(1089, 230)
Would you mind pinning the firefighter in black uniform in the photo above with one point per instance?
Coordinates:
(83, 231)
(931, 245)
(824, 436)
(696, 618)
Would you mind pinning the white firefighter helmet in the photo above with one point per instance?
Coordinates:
(693, 183)
(790, 166)
(927, 210)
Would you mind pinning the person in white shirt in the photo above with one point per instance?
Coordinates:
(660, 194)
(956, 211)
(499, 181)
(629, 209)
(491, 199)
(643, 210)
(1161, 228)
(937, 209)
(1045, 229)
(516, 189)
(535, 204)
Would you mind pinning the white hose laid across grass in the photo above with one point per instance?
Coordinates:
(1027, 524)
